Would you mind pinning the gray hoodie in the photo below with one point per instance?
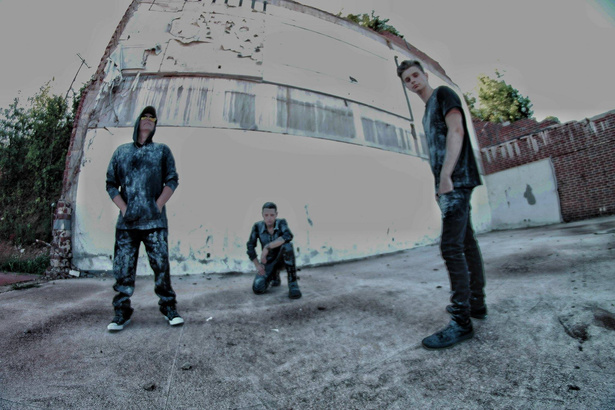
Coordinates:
(139, 173)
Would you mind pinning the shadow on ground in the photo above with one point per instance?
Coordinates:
(352, 341)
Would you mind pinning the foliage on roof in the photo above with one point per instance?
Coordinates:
(373, 22)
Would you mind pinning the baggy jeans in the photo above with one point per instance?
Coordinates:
(461, 254)
(126, 253)
(285, 257)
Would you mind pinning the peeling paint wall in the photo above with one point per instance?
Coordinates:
(283, 105)
(342, 201)
(524, 196)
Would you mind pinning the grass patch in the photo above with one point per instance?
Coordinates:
(36, 266)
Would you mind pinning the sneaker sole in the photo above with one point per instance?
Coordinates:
(114, 327)
(175, 321)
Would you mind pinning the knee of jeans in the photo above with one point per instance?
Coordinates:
(451, 251)
(124, 289)
(288, 253)
(259, 286)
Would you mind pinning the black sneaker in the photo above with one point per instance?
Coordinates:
(449, 336)
(293, 290)
(171, 315)
(118, 323)
(476, 313)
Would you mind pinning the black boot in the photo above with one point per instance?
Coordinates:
(449, 336)
(293, 285)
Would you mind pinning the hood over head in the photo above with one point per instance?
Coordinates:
(135, 135)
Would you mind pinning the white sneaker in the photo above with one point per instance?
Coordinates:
(171, 315)
(117, 324)
(177, 320)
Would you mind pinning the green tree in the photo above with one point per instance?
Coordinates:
(498, 101)
(33, 145)
(374, 22)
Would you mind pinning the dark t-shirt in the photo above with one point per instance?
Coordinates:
(439, 104)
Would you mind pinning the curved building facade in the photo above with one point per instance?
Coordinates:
(259, 101)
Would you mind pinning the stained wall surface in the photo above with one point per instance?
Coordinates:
(289, 105)
(524, 196)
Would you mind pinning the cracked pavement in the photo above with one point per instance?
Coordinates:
(352, 341)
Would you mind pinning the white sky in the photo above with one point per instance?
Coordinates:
(559, 53)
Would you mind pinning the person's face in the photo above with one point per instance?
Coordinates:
(147, 123)
(414, 79)
(269, 216)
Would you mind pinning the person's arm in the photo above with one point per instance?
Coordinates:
(251, 245)
(113, 185)
(117, 200)
(454, 143)
(271, 245)
(164, 197)
(287, 236)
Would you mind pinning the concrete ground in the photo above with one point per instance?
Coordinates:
(352, 341)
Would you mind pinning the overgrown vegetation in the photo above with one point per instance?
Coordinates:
(34, 140)
(36, 265)
(374, 22)
(498, 101)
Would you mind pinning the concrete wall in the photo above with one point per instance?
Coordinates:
(291, 105)
(524, 196)
(342, 201)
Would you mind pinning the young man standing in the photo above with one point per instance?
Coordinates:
(456, 174)
(141, 178)
(277, 251)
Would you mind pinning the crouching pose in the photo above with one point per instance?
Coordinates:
(277, 251)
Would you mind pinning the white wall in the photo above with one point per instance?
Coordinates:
(524, 196)
(205, 67)
(342, 201)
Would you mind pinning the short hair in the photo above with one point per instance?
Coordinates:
(406, 64)
(270, 205)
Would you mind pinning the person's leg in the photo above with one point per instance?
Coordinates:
(125, 258)
(288, 255)
(275, 278)
(455, 210)
(474, 259)
(157, 248)
(261, 282)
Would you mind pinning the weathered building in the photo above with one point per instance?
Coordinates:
(540, 173)
(259, 101)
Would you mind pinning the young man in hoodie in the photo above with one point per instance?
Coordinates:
(141, 178)
(277, 251)
(456, 174)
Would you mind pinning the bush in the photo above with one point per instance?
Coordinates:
(33, 145)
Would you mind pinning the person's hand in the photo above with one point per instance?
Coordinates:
(264, 255)
(446, 185)
(260, 269)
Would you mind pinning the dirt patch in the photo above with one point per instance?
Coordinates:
(9, 250)
(604, 318)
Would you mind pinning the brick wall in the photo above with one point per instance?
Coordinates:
(61, 250)
(583, 155)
